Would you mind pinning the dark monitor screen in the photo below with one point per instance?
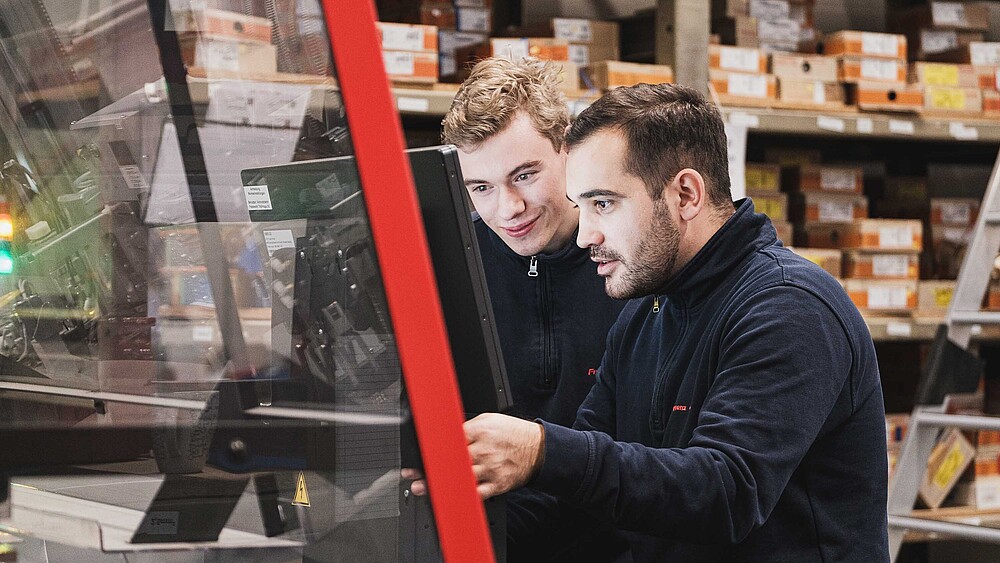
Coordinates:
(325, 191)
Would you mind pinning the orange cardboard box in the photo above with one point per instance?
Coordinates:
(886, 97)
(867, 265)
(407, 66)
(991, 102)
(821, 207)
(944, 74)
(803, 67)
(955, 211)
(883, 296)
(223, 23)
(866, 234)
(867, 44)
(873, 69)
(606, 75)
(737, 59)
(829, 260)
(733, 87)
(408, 37)
(824, 178)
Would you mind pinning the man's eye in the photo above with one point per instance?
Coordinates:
(602, 204)
(480, 188)
(523, 176)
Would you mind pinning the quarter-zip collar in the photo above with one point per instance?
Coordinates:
(569, 254)
(744, 233)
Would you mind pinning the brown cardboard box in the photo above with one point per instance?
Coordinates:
(774, 205)
(606, 75)
(955, 211)
(803, 67)
(867, 44)
(868, 265)
(439, 14)
(939, 44)
(828, 95)
(570, 74)
(865, 234)
(944, 74)
(740, 87)
(972, 16)
(408, 66)
(542, 48)
(882, 296)
(907, 192)
(829, 260)
(737, 59)
(824, 178)
(473, 3)
(979, 53)
(872, 69)
(245, 57)
(820, 207)
(949, 459)
(408, 37)
(477, 20)
(224, 24)
(986, 77)
(991, 102)
(783, 34)
(761, 177)
(942, 99)
(886, 97)
(792, 157)
(449, 43)
(590, 40)
(934, 296)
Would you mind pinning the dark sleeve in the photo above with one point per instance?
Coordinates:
(784, 359)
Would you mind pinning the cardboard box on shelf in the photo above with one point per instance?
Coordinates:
(740, 87)
(408, 37)
(784, 231)
(944, 74)
(876, 96)
(868, 265)
(865, 234)
(979, 53)
(589, 40)
(542, 48)
(820, 207)
(991, 102)
(882, 296)
(823, 178)
(738, 59)
(478, 20)
(803, 67)
(811, 93)
(792, 157)
(949, 459)
(942, 99)
(934, 297)
(223, 24)
(855, 69)
(570, 75)
(866, 44)
(907, 193)
(939, 44)
(955, 211)
(439, 13)
(246, 57)
(774, 205)
(783, 34)
(473, 3)
(606, 75)
(762, 177)
(829, 260)
(986, 77)
(949, 245)
(449, 43)
(972, 16)
(409, 66)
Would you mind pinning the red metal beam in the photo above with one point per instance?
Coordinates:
(410, 286)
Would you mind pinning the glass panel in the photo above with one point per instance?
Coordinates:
(194, 336)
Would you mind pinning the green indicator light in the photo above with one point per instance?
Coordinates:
(6, 262)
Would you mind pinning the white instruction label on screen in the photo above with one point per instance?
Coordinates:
(258, 198)
(895, 237)
(276, 240)
(402, 38)
(879, 44)
(948, 13)
(738, 58)
(956, 212)
(202, 334)
(875, 69)
(572, 29)
(747, 85)
(887, 297)
(835, 179)
(133, 177)
(836, 211)
(890, 265)
(398, 63)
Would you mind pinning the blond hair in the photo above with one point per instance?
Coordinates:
(496, 91)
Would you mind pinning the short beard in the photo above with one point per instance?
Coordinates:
(653, 260)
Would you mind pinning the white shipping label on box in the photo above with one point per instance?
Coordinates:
(572, 29)
(879, 44)
(887, 297)
(738, 58)
(747, 85)
(819, 92)
(876, 69)
(831, 123)
(780, 31)
(836, 211)
(769, 9)
(895, 237)
(937, 41)
(987, 493)
(900, 127)
(950, 13)
(865, 125)
(276, 240)
(984, 53)
(890, 265)
(219, 55)
(962, 132)
(956, 212)
(957, 235)
(899, 329)
(837, 180)
(415, 105)
(579, 54)
(397, 63)
(513, 49)
(398, 38)
(133, 177)
(258, 198)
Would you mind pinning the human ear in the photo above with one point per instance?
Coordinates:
(691, 193)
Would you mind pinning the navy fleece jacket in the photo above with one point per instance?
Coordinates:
(742, 422)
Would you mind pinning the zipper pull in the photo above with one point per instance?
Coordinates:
(656, 303)
(533, 267)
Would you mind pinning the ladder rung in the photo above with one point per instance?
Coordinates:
(975, 317)
(966, 531)
(961, 421)
(993, 217)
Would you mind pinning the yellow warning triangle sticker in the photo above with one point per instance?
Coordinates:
(301, 493)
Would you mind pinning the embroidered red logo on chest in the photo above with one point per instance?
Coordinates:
(680, 408)
(591, 371)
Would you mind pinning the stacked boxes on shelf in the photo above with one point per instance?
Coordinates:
(738, 76)
(949, 89)
(951, 223)
(937, 31)
(873, 65)
(808, 81)
(771, 25)
(410, 52)
(763, 185)
(219, 40)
